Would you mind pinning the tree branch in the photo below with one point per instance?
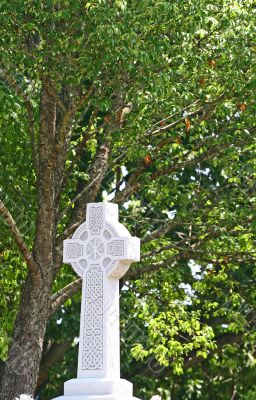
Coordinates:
(191, 114)
(32, 265)
(130, 186)
(136, 272)
(49, 85)
(213, 152)
(69, 114)
(161, 231)
(133, 182)
(64, 294)
(80, 147)
(150, 131)
(79, 195)
(52, 356)
(97, 173)
(67, 233)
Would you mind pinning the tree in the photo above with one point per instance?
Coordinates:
(150, 103)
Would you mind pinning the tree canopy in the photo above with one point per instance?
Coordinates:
(149, 104)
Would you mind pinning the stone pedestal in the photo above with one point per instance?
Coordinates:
(97, 389)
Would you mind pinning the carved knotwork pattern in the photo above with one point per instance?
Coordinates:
(116, 248)
(96, 220)
(93, 320)
(74, 250)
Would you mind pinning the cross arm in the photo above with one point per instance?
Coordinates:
(124, 248)
(122, 251)
(73, 250)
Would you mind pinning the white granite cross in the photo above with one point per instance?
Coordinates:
(100, 251)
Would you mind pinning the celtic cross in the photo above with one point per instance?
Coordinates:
(100, 251)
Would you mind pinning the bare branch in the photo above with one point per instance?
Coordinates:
(68, 232)
(130, 186)
(172, 116)
(191, 114)
(80, 102)
(79, 195)
(159, 250)
(124, 194)
(133, 184)
(212, 153)
(64, 294)
(32, 265)
(175, 123)
(159, 232)
(136, 272)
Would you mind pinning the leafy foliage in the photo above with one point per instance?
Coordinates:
(250, 395)
(174, 96)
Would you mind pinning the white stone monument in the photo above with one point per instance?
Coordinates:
(100, 251)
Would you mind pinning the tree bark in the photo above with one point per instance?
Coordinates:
(53, 356)
(22, 366)
(20, 372)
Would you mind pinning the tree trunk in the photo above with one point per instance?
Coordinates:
(52, 357)
(21, 369)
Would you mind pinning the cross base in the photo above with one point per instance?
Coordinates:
(97, 389)
(94, 397)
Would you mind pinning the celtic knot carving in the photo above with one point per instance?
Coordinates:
(96, 220)
(92, 356)
(74, 250)
(116, 248)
